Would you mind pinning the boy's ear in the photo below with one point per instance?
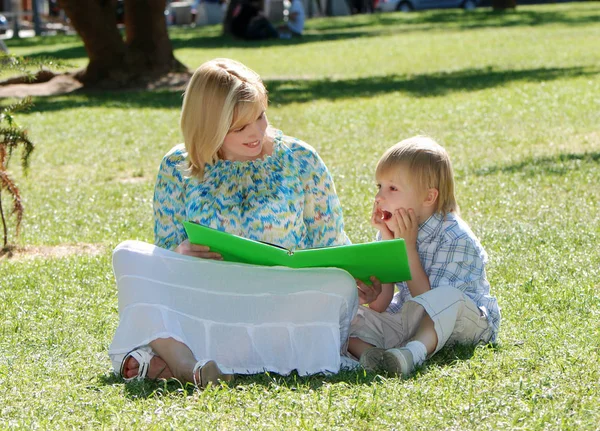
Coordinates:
(431, 197)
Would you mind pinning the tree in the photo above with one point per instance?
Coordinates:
(11, 136)
(145, 54)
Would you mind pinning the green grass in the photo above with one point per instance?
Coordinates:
(515, 99)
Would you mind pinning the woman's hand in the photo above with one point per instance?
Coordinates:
(405, 225)
(366, 293)
(197, 250)
(378, 222)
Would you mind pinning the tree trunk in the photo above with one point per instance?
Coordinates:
(144, 55)
(504, 4)
(148, 44)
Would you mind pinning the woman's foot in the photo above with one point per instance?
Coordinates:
(158, 369)
(209, 373)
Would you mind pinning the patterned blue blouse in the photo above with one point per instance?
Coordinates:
(287, 198)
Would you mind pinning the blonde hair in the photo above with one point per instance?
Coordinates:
(429, 165)
(222, 95)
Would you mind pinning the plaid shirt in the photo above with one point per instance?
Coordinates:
(452, 256)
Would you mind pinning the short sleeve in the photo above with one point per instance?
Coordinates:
(322, 209)
(169, 203)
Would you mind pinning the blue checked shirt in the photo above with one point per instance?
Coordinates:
(452, 256)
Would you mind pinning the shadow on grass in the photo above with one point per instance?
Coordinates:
(371, 25)
(338, 28)
(425, 85)
(464, 20)
(559, 164)
(283, 92)
(158, 99)
(149, 389)
(70, 53)
(43, 41)
(447, 357)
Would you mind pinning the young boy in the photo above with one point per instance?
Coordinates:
(448, 299)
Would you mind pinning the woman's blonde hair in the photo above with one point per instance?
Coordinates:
(429, 166)
(222, 95)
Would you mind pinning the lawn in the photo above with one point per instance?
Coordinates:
(514, 97)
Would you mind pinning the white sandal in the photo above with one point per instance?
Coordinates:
(208, 373)
(143, 355)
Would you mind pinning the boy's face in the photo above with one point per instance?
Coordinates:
(396, 191)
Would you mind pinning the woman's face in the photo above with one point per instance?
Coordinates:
(245, 142)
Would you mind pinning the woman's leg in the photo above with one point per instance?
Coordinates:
(164, 294)
(182, 362)
(177, 356)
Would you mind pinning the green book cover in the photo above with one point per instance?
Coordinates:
(387, 260)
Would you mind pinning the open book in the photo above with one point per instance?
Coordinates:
(386, 260)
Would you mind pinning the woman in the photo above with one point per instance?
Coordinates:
(237, 174)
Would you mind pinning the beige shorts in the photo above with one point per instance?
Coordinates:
(456, 318)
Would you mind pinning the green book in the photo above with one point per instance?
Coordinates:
(386, 260)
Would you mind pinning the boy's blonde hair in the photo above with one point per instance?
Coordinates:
(429, 166)
(222, 95)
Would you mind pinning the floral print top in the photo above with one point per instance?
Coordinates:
(287, 198)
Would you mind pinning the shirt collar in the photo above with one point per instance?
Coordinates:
(430, 227)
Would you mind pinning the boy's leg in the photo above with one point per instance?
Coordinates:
(357, 347)
(403, 360)
(426, 334)
(450, 317)
(371, 333)
(369, 356)
(456, 318)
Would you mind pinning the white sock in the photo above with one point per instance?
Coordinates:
(418, 350)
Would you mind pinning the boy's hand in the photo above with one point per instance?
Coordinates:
(366, 293)
(405, 225)
(379, 224)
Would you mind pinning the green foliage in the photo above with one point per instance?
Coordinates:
(12, 136)
(514, 98)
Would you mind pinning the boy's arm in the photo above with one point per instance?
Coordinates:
(405, 225)
(420, 281)
(383, 299)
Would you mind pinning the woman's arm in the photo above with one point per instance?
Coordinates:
(322, 209)
(169, 203)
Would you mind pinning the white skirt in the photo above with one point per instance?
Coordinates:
(249, 319)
